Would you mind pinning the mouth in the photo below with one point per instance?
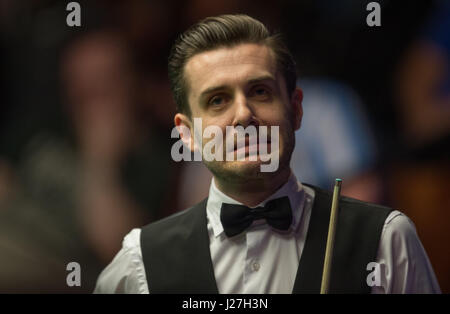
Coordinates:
(252, 149)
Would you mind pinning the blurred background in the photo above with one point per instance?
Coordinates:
(86, 114)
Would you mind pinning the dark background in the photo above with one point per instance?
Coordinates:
(85, 143)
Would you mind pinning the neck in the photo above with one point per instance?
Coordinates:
(253, 192)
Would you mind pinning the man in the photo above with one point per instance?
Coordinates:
(258, 231)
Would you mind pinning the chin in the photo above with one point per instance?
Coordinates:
(238, 170)
(245, 166)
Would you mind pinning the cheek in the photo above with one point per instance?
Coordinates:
(275, 118)
(273, 114)
(213, 127)
(285, 130)
(221, 121)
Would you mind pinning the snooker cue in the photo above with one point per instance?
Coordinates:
(330, 240)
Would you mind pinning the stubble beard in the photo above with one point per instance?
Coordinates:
(242, 172)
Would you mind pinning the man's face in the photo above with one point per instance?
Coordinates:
(241, 86)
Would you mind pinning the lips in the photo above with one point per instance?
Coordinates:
(246, 144)
(254, 148)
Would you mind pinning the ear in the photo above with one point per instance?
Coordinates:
(184, 126)
(296, 103)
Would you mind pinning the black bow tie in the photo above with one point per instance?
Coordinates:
(237, 218)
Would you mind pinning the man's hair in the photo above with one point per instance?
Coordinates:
(224, 31)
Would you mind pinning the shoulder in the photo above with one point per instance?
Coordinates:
(400, 235)
(350, 206)
(355, 203)
(169, 224)
(399, 223)
(400, 232)
(125, 273)
(318, 192)
(407, 268)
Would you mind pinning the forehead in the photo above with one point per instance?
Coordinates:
(228, 66)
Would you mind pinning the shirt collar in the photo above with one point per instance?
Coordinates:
(293, 189)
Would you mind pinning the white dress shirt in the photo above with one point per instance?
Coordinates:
(265, 260)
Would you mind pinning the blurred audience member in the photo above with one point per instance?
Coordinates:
(76, 197)
(102, 100)
(424, 82)
(336, 141)
(420, 180)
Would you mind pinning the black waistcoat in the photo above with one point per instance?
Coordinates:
(177, 257)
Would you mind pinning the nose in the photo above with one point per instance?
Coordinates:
(244, 114)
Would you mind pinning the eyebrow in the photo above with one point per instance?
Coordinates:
(254, 80)
(260, 79)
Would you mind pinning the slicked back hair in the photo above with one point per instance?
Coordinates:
(218, 32)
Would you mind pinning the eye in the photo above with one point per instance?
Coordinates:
(217, 101)
(261, 93)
